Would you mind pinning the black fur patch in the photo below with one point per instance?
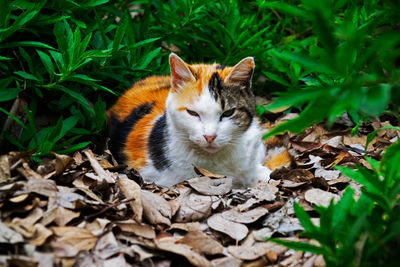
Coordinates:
(220, 67)
(121, 129)
(157, 143)
(215, 85)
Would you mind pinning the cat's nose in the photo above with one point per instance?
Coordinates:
(210, 138)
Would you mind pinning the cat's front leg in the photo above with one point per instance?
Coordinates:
(262, 173)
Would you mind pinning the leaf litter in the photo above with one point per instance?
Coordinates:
(85, 210)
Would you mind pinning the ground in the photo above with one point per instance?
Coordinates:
(87, 210)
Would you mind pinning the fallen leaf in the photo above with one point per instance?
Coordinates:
(96, 227)
(106, 246)
(101, 173)
(193, 206)
(131, 190)
(44, 259)
(320, 198)
(204, 172)
(62, 163)
(5, 174)
(211, 187)
(190, 226)
(42, 187)
(254, 251)
(327, 174)
(69, 240)
(235, 230)
(28, 173)
(202, 242)
(40, 236)
(244, 217)
(170, 244)
(155, 208)
(9, 236)
(226, 262)
(143, 230)
(60, 215)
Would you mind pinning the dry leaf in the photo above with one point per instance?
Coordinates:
(244, 217)
(170, 244)
(61, 216)
(40, 236)
(193, 207)
(69, 240)
(107, 246)
(202, 242)
(204, 172)
(211, 187)
(327, 174)
(101, 173)
(235, 230)
(226, 262)
(155, 208)
(131, 190)
(28, 173)
(190, 226)
(254, 251)
(5, 174)
(320, 198)
(43, 187)
(9, 236)
(143, 230)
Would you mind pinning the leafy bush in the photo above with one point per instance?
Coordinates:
(61, 62)
(363, 232)
(341, 56)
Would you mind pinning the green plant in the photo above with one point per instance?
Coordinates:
(363, 232)
(345, 53)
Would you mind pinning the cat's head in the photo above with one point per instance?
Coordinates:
(211, 105)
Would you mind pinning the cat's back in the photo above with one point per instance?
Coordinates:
(132, 117)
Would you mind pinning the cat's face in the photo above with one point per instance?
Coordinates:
(211, 105)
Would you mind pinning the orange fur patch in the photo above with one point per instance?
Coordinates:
(154, 90)
(278, 160)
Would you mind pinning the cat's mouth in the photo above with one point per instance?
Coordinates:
(210, 148)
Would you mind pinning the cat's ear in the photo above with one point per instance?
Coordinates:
(180, 72)
(241, 72)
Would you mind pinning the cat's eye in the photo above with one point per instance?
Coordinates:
(228, 113)
(193, 113)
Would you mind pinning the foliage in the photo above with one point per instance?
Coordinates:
(363, 232)
(64, 60)
(341, 56)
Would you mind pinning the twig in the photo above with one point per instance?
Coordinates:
(106, 208)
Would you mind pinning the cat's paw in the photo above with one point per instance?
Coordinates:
(262, 173)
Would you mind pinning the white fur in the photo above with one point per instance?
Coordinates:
(234, 153)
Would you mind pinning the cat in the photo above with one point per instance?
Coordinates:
(201, 115)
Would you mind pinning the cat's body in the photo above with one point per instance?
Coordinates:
(201, 115)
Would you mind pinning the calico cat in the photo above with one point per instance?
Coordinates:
(201, 115)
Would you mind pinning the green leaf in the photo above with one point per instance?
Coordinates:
(27, 44)
(298, 246)
(25, 75)
(13, 117)
(48, 64)
(73, 148)
(284, 7)
(145, 61)
(7, 94)
(304, 218)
